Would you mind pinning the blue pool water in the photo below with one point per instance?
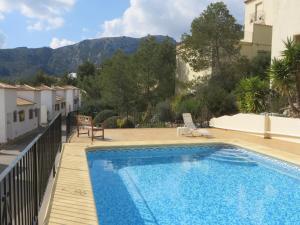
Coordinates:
(191, 185)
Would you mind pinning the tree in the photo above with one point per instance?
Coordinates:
(86, 69)
(291, 57)
(118, 83)
(252, 94)
(283, 81)
(155, 64)
(214, 39)
(42, 78)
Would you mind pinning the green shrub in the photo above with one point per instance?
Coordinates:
(111, 122)
(103, 115)
(125, 123)
(252, 94)
(186, 105)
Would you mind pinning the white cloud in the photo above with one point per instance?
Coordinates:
(168, 17)
(41, 14)
(57, 43)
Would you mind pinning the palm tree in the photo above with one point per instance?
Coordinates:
(291, 56)
(283, 80)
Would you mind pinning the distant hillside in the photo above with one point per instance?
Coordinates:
(24, 62)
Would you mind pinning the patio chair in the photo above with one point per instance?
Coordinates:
(192, 129)
(87, 123)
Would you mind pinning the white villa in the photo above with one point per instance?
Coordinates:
(25, 108)
(18, 115)
(60, 101)
(31, 94)
(48, 99)
(267, 24)
(73, 98)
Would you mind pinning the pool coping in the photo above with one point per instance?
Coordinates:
(78, 152)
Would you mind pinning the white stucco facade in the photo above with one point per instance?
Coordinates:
(48, 98)
(72, 98)
(281, 15)
(32, 94)
(17, 115)
(60, 101)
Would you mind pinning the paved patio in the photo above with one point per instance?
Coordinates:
(73, 201)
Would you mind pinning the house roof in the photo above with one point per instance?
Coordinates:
(26, 87)
(24, 102)
(6, 86)
(59, 98)
(70, 87)
(59, 88)
(44, 87)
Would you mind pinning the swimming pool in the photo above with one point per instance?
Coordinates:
(191, 185)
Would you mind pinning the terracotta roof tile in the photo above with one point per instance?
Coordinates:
(6, 86)
(26, 87)
(23, 102)
(44, 87)
(70, 87)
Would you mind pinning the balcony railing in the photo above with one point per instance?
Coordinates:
(23, 184)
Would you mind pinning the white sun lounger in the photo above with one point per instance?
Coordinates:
(192, 129)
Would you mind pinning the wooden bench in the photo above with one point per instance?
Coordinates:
(86, 123)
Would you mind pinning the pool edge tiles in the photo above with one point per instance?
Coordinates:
(73, 199)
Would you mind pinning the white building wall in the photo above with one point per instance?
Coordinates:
(48, 100)
(265, 8)
(69, 100)
(34, 96)
(23, 127)
(3, 137)
(282, 15)
(286, 23)
(10, 106)
(275, 127)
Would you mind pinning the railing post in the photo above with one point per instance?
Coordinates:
(36, 180)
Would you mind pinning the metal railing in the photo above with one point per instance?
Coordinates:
(70, 124)
(24, 182)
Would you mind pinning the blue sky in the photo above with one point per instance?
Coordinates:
(55, 23)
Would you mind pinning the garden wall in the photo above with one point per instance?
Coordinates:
(268, 126)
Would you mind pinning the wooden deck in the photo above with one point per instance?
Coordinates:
(73, 201)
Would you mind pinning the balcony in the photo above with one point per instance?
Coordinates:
(258, 17)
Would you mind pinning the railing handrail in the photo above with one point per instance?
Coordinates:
(7, 170)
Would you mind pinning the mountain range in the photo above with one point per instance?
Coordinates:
(25, 62)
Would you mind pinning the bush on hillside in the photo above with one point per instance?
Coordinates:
(111, 122)
(103, 115)
(125, 123)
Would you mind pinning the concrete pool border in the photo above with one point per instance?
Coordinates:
(73, 201)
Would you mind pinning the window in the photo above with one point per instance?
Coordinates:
(36, 112)
(56, 107)
(15, 116)
(63, 105)
(258, 11)
(21, 115)
(30, 114)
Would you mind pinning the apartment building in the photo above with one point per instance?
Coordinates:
(48, 99)
(268, 23)
(73, 98)
(18, 115)
(60, 100)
